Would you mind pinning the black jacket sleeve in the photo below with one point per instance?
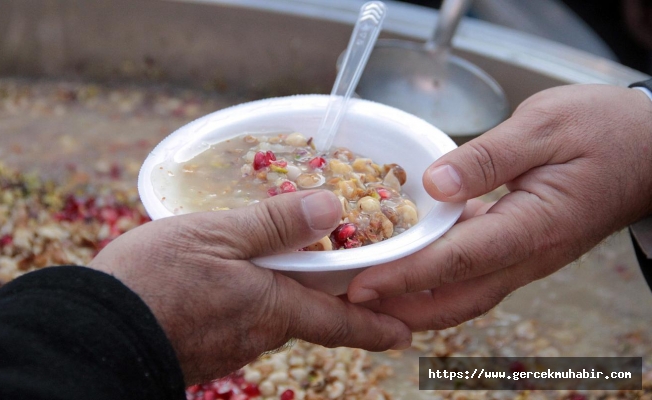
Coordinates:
(76, 333)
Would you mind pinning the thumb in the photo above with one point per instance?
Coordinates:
(493, 159)
(279, 224)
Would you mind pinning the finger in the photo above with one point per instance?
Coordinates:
(498, 156)
(453, 304)
(469, 249)
(333, 321)
(282, 223)
(473, 208)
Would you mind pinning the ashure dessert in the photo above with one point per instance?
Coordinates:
(247, 169)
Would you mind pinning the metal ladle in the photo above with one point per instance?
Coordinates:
(428, 81)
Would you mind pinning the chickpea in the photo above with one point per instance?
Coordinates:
(347, 189)
(252, 375)
(267, 388)
(299, 374)
(339, 168)
(278, 377)
(335, 390)
(250, 139)
(343, 155)
(368, 204)
(345, 205)
(296, 140)
(339, 374)
(408, 213)
(324, 244)
(387, 226)
(366, 166)
(293, 172)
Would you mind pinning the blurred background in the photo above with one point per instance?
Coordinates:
(616, 29)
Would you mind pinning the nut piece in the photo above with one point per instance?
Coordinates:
(398, 172)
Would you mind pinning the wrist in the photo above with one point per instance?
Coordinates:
(645, 144)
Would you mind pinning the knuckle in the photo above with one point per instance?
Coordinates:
(445, 320)
(275, 227)
(460, 264)
(413, 281)
(336, 334)
(483, 156)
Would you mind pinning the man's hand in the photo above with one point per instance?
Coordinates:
(578, 163)
(219, 310)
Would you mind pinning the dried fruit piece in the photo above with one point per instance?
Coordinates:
(397, 171)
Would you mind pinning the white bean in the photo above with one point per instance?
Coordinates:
(296, 139)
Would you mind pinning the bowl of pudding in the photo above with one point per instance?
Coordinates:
(246, 153)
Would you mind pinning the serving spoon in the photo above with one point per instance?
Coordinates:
(428, 81)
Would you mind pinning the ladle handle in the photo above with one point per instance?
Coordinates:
(450, 14)
(363, 38)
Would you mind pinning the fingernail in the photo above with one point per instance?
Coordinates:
(361, 295)
(446, 179)
(322, 210)
(402, 345)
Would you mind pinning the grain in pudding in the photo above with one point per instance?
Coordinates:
(247, 169)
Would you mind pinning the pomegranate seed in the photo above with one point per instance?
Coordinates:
(209, 395)
(280, 163)
(317, 163)
(226, 395)
(6, 240)
(260, 161)
(193, 389)
(269, 156)
(239, 396)
(251, 389)
(383, 193)
(343, 232)
(288, 187)
(287, 395)
(271, 192)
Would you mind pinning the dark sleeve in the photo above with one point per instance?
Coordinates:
(643, 260)
(76, 333)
